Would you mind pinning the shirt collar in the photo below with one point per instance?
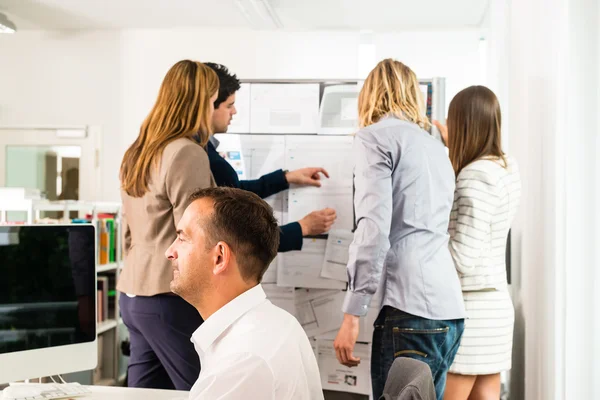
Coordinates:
(215, 142)
(217, 323)
(211, 139)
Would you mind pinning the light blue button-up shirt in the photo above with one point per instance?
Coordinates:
(404, 189)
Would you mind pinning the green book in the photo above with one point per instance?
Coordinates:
(110, 227)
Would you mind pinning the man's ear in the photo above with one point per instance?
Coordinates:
(222, 258)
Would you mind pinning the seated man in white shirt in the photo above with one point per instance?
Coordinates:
(248, 348)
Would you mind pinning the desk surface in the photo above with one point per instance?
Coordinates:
(122, 393)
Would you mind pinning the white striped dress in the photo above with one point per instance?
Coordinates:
(485, 202)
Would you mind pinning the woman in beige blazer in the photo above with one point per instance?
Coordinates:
(159, 172)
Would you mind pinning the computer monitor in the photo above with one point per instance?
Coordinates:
(47, 300)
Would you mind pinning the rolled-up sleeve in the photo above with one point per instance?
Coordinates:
(373, 210)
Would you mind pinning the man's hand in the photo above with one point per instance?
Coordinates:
(345, 341)
(317, 222)
(443, 131)
(306, 176)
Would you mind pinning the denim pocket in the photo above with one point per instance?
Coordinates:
(426, 342)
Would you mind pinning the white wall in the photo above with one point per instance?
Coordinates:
(110, 78)
(50, 78)
(454, 55)
(53, 78)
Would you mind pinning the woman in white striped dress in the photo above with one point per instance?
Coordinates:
(486, 199)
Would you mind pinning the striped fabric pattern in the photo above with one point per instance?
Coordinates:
(485, 203)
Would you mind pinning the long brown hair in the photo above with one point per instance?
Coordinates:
(474, 127)
(182, 109)
(391, 88)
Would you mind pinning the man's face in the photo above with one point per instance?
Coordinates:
(190, 256)
(222, 116)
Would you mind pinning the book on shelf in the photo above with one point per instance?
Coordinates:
(103, 291)
(107, 235)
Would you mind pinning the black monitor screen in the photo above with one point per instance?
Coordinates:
(47, 286)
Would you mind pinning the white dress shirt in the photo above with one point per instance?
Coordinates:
(251, 349)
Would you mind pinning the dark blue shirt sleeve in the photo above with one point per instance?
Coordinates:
(267, 185)
(290, 237)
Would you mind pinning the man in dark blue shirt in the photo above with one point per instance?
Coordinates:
(315, 223)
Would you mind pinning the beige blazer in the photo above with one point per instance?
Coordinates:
(149, 222)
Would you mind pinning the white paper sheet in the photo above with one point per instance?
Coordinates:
(334, 154)
(282, 297)
(303, 201)
(335, 376)
(303, 268)
(318, 310)
(240, 122)
(284, 108)
(336, 255)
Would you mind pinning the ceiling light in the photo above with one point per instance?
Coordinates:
(6, 25)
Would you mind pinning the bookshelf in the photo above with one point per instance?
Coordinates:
(106, 217)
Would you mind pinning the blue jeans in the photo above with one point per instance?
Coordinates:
(399, 334)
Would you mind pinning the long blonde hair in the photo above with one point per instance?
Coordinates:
(474, 127)
(182, 109)
(391, 88)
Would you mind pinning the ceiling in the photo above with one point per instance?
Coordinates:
(376, 15)
(382, 15)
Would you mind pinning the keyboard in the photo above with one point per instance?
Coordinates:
(43, 391)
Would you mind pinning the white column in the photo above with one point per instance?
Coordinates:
(553, 102)
(582, 107)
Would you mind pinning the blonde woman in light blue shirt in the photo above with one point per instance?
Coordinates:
(404, 188)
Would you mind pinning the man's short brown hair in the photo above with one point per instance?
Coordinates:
(246, 223)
